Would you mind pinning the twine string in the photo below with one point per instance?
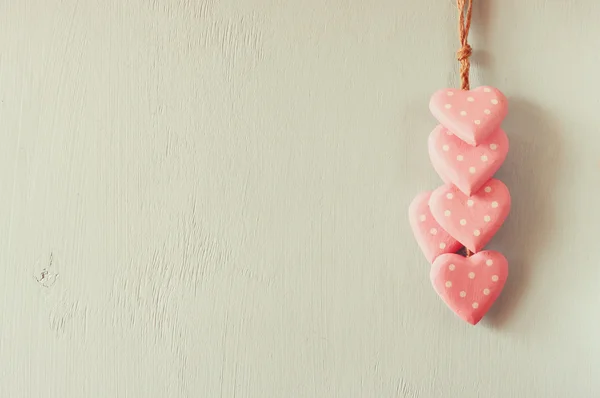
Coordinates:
(465, 8)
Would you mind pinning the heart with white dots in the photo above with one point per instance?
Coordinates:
(431, 237)
(472, 220)
(468, 167)
(470, 114)
(469, 285)
(466, 150)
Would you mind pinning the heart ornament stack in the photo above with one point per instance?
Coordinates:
(466, 150)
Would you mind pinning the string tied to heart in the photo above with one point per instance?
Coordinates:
(465, 8)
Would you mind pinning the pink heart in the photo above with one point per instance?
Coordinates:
(469, 285)
(432, 238)
(471, 220)
(470, 114)
(468, 167)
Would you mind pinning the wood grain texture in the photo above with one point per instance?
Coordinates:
(209, 199)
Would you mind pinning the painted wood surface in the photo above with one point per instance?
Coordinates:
(208, 199)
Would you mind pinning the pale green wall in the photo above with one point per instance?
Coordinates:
(223, 186)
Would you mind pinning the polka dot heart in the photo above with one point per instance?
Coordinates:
(468, 167)
(473, 220)
(469, 285)
(472, 115)
(431, 237)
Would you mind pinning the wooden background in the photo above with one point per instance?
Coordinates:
(209, 198)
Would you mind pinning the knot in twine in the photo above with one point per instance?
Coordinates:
(464, 53)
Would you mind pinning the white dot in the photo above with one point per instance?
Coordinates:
(494, 204)
(460, 158)
(470, 99)
(495, 278)
(488, 189)
(463, 222)
(470, 203)
(486, 292)
(446, 148)
(433, 231)
(449, 195)
(487, 111)
(477, 122)
(486, 218)
(477, 232)
(471, 275)
(463, 113)
(475, 305)
(463, 294)
(493, 147)
(448, 284)
(452, 267)
(472, 170)
(423, 217)
(495, 101)
(442, 245)
(484, 158)
(447, 213)
(486, 89)
(489, 262)
(450, 93)
(448, 132)
(447, 106)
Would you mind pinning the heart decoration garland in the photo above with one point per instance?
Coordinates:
(466, 149)
(466, 211)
